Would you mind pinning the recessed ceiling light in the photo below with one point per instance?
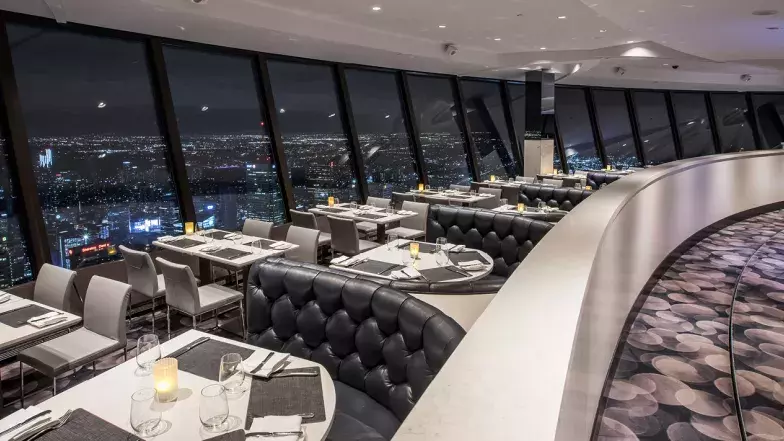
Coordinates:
(497, 39)
(543, 48)
(331, 115)
(376, 8)
(688, 6)
(205, 108)
(561, 17)
(631, 42)
(765, 12)
(101, 105)
(602, 30)
(665, 64)
(442, 26)
(641, 10)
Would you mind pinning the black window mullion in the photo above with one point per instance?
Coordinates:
(462, 123)
(597, 135)
(676, 136)
(753, 121)
(349, 127)
(412, 126)
(514, 141)
(632, 109)
(559, 145)
(712, 121)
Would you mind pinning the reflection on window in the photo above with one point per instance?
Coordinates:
(615, 128)
(575, 129)
(517, 98)
(100, 164)
(487, 125)
(14, 262)
(770, 119)
(225, 143)
(315, 144)
(654, 125)
(440, 136)
(732, 122)
(691, 115)
(386, 146)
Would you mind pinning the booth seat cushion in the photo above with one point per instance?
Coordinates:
(562, 198)
(596, 180)
(365, 416)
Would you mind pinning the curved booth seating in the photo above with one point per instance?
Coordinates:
(562, 198)
(382, 347)
(596, 180)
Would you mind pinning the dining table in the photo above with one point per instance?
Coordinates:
(107, 397)
(381, 216)
(449, 196)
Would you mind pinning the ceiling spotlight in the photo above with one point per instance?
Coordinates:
(576, 68)
(497, 39)
(764, 12)
(542, 48)
(745, 78)
(665, 64)
(386, 117)
(602, 30)
(561, 17)
(101, 105)
(523, 68)
(376, 8)
(641, 10)
(331, 115)
(442, 26)
(204, 108)
(282, 110)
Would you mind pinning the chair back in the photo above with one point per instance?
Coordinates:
(307, 239)
(419, 222)
(510, 193)
(475, 186)
(345, 238)
(464, 188)
(489, 203)
(399, 198)
(105, 305)
(141, 271)
(304, 219)
(553, 182)
(54, 287)
(257, 228)
(379, 202)
(526, 179)
(181, 290)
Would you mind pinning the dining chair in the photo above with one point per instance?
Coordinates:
(345, 237)
(183, 295)
(553, 182)
(399, 198)
(104, 332)
(307, 239)
(378, 202)
(412, 227)
(525, 179)
(510, 193)
(368, 229)
(492, 202)
(464, 188)
(304, 219)
(143, 277)
(257, 228)
(54, 287)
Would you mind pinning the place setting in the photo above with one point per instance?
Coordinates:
(33, 315)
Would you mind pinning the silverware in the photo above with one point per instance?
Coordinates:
(31, 429)
(32, 320)
(181, 351)
(307, 415)
(274, 434)
(52, 425)
(261, 365)
(283, 374)
(53, 321)
(38, 415)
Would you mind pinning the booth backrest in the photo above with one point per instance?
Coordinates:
(595, 179)
(562, 198)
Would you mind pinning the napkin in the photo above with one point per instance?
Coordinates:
(411, 272)
(471, 265)
(273, 423)
(44, 316)
(16, 418)
(5, 296)
(457, 248)
(339, 260)
(232, 236)
(165, 238)
(270, 366)
(44, 323)
(447, 247)
(400, 275)
(280, 246)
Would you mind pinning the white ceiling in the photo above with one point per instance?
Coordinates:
(712, 41)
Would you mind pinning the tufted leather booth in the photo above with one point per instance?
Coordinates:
(562, 198)
(595, 179)
(382, 347)
(506, 238)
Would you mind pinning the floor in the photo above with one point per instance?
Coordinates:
(704, 357)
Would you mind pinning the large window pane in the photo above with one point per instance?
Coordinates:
(654, 126)
(14, 261)
(315, 144)
(615, 128)
(517, 98)
(442, 143)
(770, 119)
(691, 115)
(101, 170)
(487, 125)
(575, 129)
(224, 140)
(386, 146)
(732, 122)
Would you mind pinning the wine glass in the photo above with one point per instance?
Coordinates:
(148, 351)
(391, 239)
(542, 206)
(352, 205)
(504, 202)
(238, 238)
(213, 408)
(144, 418)
(427, 188)
(440, 254)
(231, 374)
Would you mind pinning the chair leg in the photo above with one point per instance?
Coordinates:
(21, 384)
(54, 385)
(242, 318)
(93, 369)
(215, 316)
(153, 314)
(125, 353)
(194, 322)
(168, 321)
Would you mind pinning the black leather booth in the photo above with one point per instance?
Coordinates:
(382, 347)
(562, 198)
(596, 180)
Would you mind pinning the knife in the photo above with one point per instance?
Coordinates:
(181, 351)
(38, 415)
(46, 318)
(52, 321)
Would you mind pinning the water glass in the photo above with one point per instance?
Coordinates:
(144, 418)
(504, 202)
(337, 201)
(257, 247)
(542, 206)
(231, 374)
(440, 254)
(213, 408)
(440, 190)
(390, 210)
(578, 186)
(391, 239)
(238, 238)
(148, 351)
(352, 205)
(427, 188)
(206, 235)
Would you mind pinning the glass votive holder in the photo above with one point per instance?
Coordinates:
(164, 374)
(520, 207)
(190, 227)
(413, 250)
(331, 201)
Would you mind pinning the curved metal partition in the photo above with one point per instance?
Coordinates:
(535, 363)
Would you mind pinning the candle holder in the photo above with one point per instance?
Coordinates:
(190, 228)
(492, 178)
(421, 187)
(588, 187)
(331, 201)
(520, 207)
(164, 374)
(413, 250)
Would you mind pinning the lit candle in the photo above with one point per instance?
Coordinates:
(609, 167)
(190, 227)
(164, 374)
(421, 187)
(520, 207)
(492, 178)
(588, 187)
(331, 201)
(413, 249)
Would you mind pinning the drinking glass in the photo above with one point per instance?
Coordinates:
(213, 408)
(441, 256)
(427, 188)
(504, 202)
(440, 190)
(578, 186)
(391, 239)
(231, 374)
(148, 351)
(390, 210)
(337, 201)
(206, 235)
(257, 247)
(238, 238)
(542, 206)
(352, 205)
(144, 419)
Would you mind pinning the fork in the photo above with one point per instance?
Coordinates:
(56, 424)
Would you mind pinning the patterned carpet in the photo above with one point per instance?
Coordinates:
(39, 388)
(721, 302)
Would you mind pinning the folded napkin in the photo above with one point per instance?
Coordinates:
(232, 236)
(471, 265)
(457, 248)
(251, 363)
(411, 272)
(448, 246)
(405, 212)
(16, 418)
(46, 322)
(339, 260)
(4, 296)
(165, 238)
(44, 316)
(400, 275)
(274, 423)
(280, 246)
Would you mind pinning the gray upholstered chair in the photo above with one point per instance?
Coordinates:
(510, 192)
(345, 237)
(412, 227)
(103, 333)
(554, 182)
(525, 179)
(304, 219)
(489, 203)
(378, 202)
(185, 296)
(257, 228)
(399, 198)
(54, 287)
(464, 188)
(368, 229)
(307, 240)
(142, 277)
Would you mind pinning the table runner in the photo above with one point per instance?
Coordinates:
(204, 360)
(229, 253)
(287, 396)
(84, 426)
(19, 317)
(440, 274)
(467, 256)
(185, 243)
(375, 267)
(371, 216)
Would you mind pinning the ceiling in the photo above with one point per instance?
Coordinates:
(713, 42)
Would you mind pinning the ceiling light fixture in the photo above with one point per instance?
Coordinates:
(523, 68)
(641, 10)
(101, 105)
(631, 42)
(665, 64)
(576, 68)
(561, 17)
(543, 48)
(386, 117)
(376, 8)
(282, 110)
(331, 115)
(442, 26)
(204, 108)
(497, 39)
(602, 30)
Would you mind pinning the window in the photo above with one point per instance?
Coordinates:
(442, 143)
(487, 125)
(101, 170)
(654, 123)
(315, 144)
(575, 129)
(517, 103)
(770, 118)
(691, 115)
(732, 122)
(224, 139)
(612, 116)
(14, 262)
(385, 144)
